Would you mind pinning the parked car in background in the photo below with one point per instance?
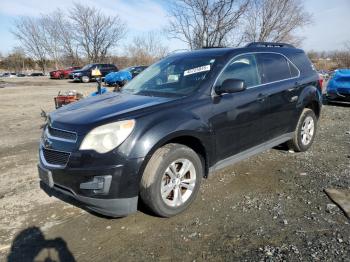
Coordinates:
(63, 73)
(84, 74)
(184, 117)
(121, 77)
(36, 74)
(21, 75)
(9, 75)
(338, 88)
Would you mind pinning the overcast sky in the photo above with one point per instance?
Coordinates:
(329, 31)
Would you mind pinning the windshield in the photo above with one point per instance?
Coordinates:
(87, 67)
(172, 76)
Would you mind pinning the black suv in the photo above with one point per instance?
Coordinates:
(84, 74)
(182, 118)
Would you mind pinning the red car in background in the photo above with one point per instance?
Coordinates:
(63, 73)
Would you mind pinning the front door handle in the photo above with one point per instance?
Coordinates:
(261, 98)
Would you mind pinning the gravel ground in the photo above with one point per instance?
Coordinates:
(271, 207)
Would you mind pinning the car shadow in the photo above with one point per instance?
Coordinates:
(282, 147)
(30, 245)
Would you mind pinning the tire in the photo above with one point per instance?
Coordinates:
(85, 79)
(158, 176)
(305, 131)
(61, 76)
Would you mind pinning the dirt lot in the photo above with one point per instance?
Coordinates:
(270, 207)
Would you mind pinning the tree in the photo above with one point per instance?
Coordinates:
(96, 32)
(146, 49)
(275, 21)
(205, 23)
(52, 36)
(15, 60)
(64, 33)
(31, 34)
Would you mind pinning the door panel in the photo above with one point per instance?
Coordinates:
(237, 117)
(279, 77)
(237, 121)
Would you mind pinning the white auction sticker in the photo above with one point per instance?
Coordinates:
(197, 70)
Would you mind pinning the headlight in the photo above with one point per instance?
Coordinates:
(107, 137)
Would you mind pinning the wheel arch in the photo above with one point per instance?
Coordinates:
(183, 138)
(310, 98)
(314, 106)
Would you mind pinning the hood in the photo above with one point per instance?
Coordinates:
(90, 112)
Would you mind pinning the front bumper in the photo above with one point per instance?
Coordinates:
(336, 96)
(118, 198)
(108, 207)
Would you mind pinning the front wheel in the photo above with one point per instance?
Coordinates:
(305, 131)
(171, 180)
(85, 79)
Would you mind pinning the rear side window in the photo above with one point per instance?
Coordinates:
(275, 67)
(244, 68)
(293, 70)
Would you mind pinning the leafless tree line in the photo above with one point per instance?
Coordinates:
(208, 23)
(83, 31)
(85, 34)
(82, 35)
(331, 60)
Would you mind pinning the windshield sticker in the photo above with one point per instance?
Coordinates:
(197, 70)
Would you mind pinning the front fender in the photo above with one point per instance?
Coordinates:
(159, 130)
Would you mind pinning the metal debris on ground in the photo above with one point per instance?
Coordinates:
(341, 198)
(67, 98)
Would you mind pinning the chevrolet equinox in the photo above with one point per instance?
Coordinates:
(181, 119)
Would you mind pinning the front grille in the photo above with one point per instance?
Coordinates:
(62, 134)
(54, 157)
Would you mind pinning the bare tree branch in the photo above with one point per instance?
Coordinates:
(146, 49)
(31, 35)
(275, 21)
(205, 23)
(96, 32)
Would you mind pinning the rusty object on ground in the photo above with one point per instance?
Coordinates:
(67, 98)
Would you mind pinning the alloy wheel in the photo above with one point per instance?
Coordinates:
(307, 130)
(178, 182)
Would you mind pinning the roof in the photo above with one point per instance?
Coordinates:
(252, 47)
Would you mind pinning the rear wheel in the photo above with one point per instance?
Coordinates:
(305, 132)
(171, 179)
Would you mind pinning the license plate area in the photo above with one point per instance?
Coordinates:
(45, 176)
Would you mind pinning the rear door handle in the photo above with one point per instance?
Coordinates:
(295, 87)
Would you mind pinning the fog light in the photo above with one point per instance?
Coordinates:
(99, 184)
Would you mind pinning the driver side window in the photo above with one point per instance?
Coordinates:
(244, 68)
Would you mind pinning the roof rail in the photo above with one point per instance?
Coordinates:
(208, 47)
(269, 44)
(176, 51)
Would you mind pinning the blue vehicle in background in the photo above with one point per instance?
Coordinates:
(120, 78)
(338, 88)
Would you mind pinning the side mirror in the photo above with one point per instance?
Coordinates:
(231, 86)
